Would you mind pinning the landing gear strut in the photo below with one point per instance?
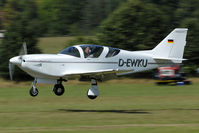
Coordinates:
(59, 88)
(34, 91)
(93, 91)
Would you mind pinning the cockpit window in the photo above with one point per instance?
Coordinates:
(73, 51)
(112, 52)
(92, 51)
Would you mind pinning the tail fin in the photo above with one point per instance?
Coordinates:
(172, 47)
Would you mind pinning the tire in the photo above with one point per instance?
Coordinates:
(32, 93)
(92, 97)
(58, 89)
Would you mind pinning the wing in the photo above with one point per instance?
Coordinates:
(98, 72)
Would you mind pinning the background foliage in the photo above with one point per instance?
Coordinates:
(126, 24)
(23, 28)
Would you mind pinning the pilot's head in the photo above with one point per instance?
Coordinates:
(87, 50)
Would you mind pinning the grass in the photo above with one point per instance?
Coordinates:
(53, 45)
(130, 106)
(123, 106)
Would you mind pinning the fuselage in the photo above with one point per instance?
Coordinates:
(55, 66)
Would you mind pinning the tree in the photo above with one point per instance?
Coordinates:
(2, 3)
(74, 17)
(187, 15)
(142, 24)
(95, 11)
(23, 29)
(60, 16)
(135, 26)
(9, 11)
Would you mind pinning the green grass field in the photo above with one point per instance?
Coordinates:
(53, 45)
(123, 106)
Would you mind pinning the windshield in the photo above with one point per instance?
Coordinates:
(92, 51)
(73, 51)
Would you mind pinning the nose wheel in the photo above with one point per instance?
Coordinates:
(34, 91)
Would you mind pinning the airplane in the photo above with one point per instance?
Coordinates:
(97, 62)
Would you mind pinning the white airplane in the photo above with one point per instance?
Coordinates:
(96, 62)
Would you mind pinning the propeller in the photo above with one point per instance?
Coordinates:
(12, 61)
(11, 70)
(23, 50)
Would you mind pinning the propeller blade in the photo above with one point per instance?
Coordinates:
(11, 70)
(23, 50)
(11, 66)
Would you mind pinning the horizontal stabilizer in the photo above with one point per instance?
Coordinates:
(171, 59)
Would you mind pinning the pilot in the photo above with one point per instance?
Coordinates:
(87, 52)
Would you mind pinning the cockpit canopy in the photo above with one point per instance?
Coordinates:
(89, 51)
(92, 51)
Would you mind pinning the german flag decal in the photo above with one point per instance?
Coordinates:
(170, 40)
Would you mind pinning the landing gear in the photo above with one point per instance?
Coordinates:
(34, 91)
(93, 91)
(59, 88)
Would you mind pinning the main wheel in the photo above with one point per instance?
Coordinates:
(33, 93)
(91, 96)
(58, 89)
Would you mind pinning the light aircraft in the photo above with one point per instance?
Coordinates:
(97, 62)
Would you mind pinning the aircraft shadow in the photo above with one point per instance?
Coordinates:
(125, 111)
(106, 111)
